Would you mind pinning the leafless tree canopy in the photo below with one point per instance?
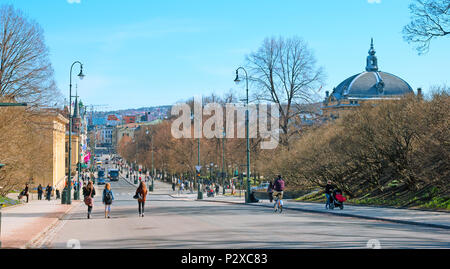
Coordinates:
(284, 72)
(26, 74)
(430, 19)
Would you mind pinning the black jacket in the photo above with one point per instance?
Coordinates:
(329, 188)
(87, 191)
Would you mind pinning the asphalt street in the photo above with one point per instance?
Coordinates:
(177, 223)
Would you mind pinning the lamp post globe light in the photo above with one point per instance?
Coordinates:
(68, 199)
(237, 80)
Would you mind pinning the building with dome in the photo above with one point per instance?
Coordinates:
(371, 86)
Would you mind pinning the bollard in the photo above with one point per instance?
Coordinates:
(76, 195)
(64, 197)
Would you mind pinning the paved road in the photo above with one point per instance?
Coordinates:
(186, 224)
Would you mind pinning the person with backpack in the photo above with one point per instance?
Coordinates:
(108, 198)
(141, 196)
(89, 193)
(278, 190)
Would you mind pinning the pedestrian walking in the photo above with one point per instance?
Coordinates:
(328, 190)
(48, 191)
(108, 198)
(89, 193)
(141, 196)
(181, 188)
(24, 192)
(40, 191)
(173, 186)
(217, 189)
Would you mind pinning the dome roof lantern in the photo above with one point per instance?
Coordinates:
(372, 61)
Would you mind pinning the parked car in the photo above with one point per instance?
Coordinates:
(261, 187)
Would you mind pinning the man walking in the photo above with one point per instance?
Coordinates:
(40, 191)
(25, 191)
(48, 191)
(328, 190)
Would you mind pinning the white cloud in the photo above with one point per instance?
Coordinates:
(374, 1)
(74, 1)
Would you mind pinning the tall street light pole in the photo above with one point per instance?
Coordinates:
(69, 180)
(223, 162)
(199, 192)
(237, 80)
(153, 169)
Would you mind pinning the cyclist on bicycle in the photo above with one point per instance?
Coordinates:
(278, 189)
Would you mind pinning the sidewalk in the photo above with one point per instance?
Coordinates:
(404, 216)
(24, 223)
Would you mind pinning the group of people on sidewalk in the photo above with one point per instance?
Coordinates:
(40, 191)
(108, 198)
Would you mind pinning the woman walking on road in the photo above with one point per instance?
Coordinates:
(108, 198)
(141, 194)
(89, 193)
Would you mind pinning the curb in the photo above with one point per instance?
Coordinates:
(430, 225)
(12, 206)
(42, 234)
(380, 206)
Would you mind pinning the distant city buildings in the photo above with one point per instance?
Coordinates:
(108, 128)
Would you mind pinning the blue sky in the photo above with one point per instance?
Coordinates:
(146, 52)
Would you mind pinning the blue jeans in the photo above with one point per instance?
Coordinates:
(328, 199)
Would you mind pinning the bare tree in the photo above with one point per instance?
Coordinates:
(285, 73)
(26, 73)
(430, 19)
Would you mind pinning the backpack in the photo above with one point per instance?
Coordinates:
(88, 199)
(108, 197)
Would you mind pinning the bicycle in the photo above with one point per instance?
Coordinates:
(278, 203)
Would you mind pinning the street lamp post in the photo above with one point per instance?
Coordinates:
(152, 173)
(136, 165)
(237, 80)
(223, 162)
(69, 180)
(153, 167)
(1, 205)
(211, 167)
(199, 191)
